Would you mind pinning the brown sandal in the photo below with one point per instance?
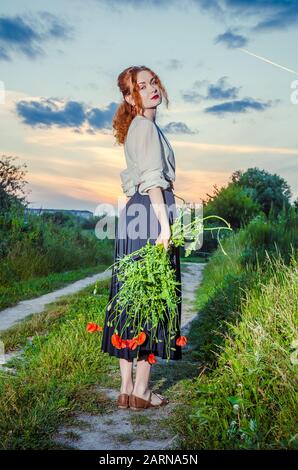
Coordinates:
(137, 403)
(123, 401)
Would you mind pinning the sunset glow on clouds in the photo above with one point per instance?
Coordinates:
(228, 110)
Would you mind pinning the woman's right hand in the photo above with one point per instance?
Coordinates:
(164, 237)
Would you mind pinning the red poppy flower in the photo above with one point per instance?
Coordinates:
(133, 344)
(151, 359)
(137, 341)
(129, 343)
(141, 338)
(117, 341)
(92, 326)
(125, 343)
(181, 341)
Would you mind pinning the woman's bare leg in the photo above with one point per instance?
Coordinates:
(126, 375)
(141, 388)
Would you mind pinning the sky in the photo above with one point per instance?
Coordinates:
(230, 68)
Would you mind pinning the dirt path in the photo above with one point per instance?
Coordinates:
(139, 430)
(12, 315)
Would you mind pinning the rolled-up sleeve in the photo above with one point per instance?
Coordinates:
(149, 156)
(127, 183)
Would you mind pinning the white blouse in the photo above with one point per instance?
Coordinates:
(149, 158)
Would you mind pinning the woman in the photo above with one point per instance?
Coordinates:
(148, 182)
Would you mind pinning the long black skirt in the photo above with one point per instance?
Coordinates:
(127, 242)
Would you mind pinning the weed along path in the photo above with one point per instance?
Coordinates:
(117, 429)
(12, 315)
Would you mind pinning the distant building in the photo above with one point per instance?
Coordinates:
(78, 213)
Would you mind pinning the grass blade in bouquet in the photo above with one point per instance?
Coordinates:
(149, 295)
(187, 232)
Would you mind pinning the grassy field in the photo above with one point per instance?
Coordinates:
(245, 340)
(241, 389)
(35, 287)
(56, 373)
(39, 255)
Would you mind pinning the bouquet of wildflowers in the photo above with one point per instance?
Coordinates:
(149, 273)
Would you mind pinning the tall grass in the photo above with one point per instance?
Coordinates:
(55, 374)
(264, 235)
(250, 399)
(245, 338)
(34, 248)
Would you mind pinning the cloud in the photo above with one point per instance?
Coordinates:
(174, 64)
(54, 27)
(99, 119)
(137, 3)
(3, 55)
(191, 96)
(48, 112)
(286, 16)
(177, 128)
(23, 35)
(204, 147)
(231, 39)
(238, 106)
(217, 91)
(278, 14)
(221, 91)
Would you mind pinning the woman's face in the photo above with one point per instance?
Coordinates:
(148, 88)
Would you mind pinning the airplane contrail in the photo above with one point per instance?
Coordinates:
(269, 61)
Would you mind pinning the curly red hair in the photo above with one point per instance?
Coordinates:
(127, 83)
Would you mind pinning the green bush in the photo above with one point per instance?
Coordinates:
(33, 246)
